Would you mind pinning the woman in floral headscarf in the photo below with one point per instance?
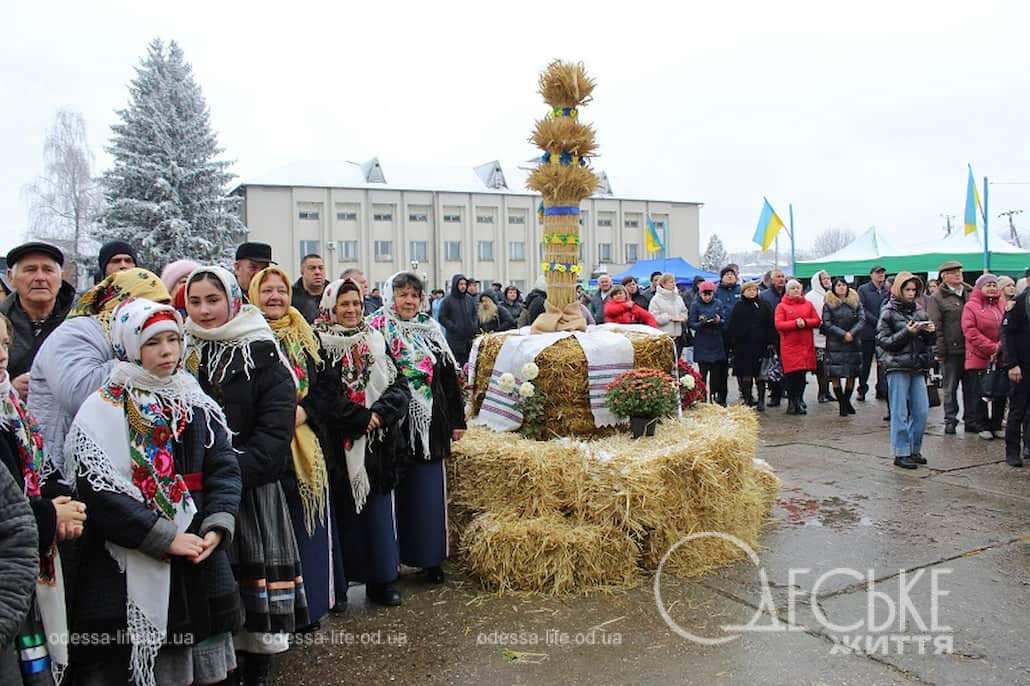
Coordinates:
(359, 403)
(306, 484)
(77, 357)
(154, 465)
(236, 358)
(436, 418)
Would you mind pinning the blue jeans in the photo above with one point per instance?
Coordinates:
(909, 407)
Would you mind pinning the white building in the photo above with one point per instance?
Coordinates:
(478, 221)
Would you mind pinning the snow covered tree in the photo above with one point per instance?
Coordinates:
(832, 239)
(65, 202)
(715, 257)
(166, 191)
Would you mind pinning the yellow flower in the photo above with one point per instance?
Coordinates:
(559, 267)
(576, 268)
(546, 266)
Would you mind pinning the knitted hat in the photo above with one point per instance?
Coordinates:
(706, 286)
(984, 280)
(174, 271)
(109, 250)
(1005, 281)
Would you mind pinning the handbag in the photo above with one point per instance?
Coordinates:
(771, 369)
(994, 383)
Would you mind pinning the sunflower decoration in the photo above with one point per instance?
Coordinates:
(564, 178)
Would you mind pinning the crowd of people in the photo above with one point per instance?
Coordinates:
(210, 459)
(198, 464)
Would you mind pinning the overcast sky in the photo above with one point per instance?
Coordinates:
(859, 116)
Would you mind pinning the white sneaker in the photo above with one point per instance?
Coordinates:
(986, 435)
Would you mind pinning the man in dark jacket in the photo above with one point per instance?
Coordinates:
(1016, 343)
(307, 291)
(945, 308)
(772, 297)
(459, 317)
(604, 287)
(39, 304)
(873, 295)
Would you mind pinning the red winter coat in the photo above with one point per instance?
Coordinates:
(797, 346)
(627, 313)
(981, 327)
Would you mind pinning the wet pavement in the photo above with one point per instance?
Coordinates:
(947, 548)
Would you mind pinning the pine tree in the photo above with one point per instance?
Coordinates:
(715, 257)
(166, 191)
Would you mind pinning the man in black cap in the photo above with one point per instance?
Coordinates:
(39, 303)
(872, 295)
(250, 259)
(116, 256)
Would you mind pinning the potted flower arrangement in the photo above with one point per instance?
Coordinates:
(692, 384)
(529, 401)
(644, 396)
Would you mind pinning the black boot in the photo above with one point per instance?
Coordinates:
(383, 594)
(255, 669)
(841, 401)
(435, 575)
(1013, 460)
(905, 463)
(761, 396)
(792, 407)
(749, 395)
(847, 400)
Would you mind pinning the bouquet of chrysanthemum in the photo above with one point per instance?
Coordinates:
(692, 384)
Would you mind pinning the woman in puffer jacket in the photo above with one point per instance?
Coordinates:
(669, 310)
(981, 327)
(904, 343)
(843, 319)
(796, 320)
(708, 321)
(619, 309)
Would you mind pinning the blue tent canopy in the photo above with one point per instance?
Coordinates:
(679, 267)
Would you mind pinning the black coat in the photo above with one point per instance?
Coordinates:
(19, 561)
(514, 309)
(750, 332)
(502, 321)
(334, 417)
(460, 320)
(27, 337)
(305, 303)
(535, 305)
(261, 409)
(448, 412)
(873, 300)
(843, 359)
(204, 599)
(42, 508)
(896, 348)
(1016, 335)
(772, 298)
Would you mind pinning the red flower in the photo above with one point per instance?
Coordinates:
(31, 483)
(139, 473)
(357, 397)
(37, 440)
(148, 487)
(348, 444)
(176, 491)
(161, 434)
(163, 463)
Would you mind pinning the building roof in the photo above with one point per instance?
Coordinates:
(491, 177)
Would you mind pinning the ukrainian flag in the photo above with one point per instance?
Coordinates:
(972, 203)
(769, 224)
(652, 241)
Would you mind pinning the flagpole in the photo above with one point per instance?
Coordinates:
(793, 253)
(987, 252)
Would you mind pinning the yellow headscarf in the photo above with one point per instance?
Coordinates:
(101, 300)
(298, 341)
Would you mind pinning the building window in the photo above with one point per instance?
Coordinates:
(485, 250)
(347, 251)
(604, 252)
(418, 217)
(310, 248)
(484, 219)
(384, 251)
(346, 216)
(383, 217)
(308, 214)
(516, 219)
(452, 218)
(517, 251)
(604, 221)
(519, 284)
(631, 252)
(632, 223)
(452, 251)
(419, 251)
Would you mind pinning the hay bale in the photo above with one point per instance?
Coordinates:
(548, 554)
(563, 378)
(696, 474)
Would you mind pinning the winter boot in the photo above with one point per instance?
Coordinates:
(761, 397)
(905, 463)
(841, 401)
(256, 669)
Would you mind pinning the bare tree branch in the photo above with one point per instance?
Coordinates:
(831, 240)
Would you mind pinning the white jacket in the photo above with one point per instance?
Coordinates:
(817, 296)
(664, 306)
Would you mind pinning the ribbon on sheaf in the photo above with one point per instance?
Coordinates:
(569, 318)
(561, 211)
